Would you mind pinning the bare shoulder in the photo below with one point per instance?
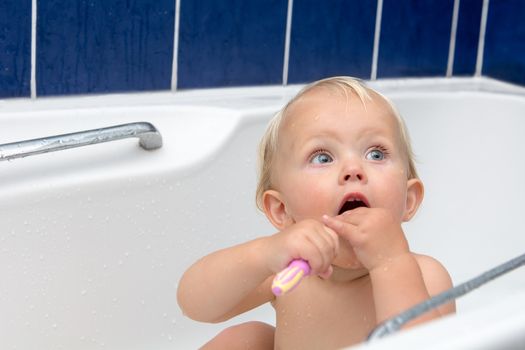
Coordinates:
(436, 278)
(435, 275)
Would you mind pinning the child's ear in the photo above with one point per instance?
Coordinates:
(415, 193)
(275, 209)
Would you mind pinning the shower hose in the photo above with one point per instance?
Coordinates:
(394, 324)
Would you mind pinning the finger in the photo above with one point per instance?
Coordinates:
(326, 243)
(342, 228)
(334, 239)
(353, 216)
(326, 274)
(330, 238)
(320, 246)
(310, 253)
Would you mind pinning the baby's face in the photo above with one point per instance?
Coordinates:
(333, 150)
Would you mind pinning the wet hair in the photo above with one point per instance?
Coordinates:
(269, 143)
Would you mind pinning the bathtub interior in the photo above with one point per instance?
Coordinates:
(95, 239)
(466, 146)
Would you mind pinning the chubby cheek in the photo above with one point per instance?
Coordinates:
(394, 196)
(308, 200)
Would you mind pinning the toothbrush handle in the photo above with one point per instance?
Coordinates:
(289, 278)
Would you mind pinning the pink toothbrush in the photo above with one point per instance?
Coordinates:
(289, 278)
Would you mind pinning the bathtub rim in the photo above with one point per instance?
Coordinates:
(259, 96)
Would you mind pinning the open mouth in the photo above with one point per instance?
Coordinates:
(353, 201)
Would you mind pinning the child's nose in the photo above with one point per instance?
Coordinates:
(353, 171)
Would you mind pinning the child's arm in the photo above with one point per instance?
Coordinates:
(221, 281)
(407, 281)
(399, 278)
(234, 280)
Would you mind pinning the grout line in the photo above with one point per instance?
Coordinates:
(377, 35)
(33, 50)
(288, 34)
(453, 35)
(481, 42)
(175, 63)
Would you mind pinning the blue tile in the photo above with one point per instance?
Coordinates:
(467, 37)
(415, 38)
(331, 38)
(15, 48)
(88, 46)
(231, 43)
(504, 55)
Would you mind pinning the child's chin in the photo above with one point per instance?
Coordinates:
(345, 271)
(347, 262)
(346, 258)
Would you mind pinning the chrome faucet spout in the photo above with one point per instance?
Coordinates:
(149, 139)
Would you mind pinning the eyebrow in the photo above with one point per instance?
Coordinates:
(316, 138)
(330, 133)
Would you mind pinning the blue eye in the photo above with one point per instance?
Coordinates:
(375, 154)
(321, 158)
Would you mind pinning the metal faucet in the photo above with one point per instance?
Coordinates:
(148, 135)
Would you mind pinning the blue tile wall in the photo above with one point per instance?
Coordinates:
(504, 56)
(87, 46)
(467, 37)
(15, 48)
(415, 38)
(331, 40)
(95, 46)
(231, 42)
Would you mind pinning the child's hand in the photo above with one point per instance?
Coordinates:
(309, 240)
(374, 234)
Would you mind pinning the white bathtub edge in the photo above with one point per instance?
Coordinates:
(499, 325)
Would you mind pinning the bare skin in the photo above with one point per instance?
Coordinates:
(363, 272)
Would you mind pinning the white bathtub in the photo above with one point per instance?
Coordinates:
(94, 240)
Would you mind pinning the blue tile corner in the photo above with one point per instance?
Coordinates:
(87, 46)
(15, 48)
(231, 43)
(467, 37)
(415, 38)
(331, 38)
(504, 54)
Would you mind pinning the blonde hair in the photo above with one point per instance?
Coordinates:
(269, 142)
